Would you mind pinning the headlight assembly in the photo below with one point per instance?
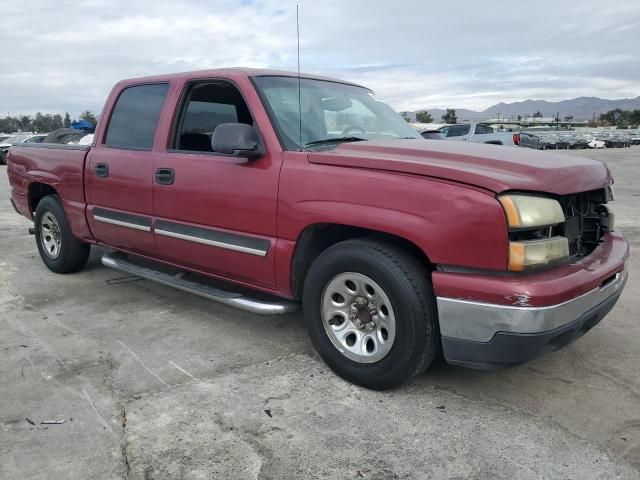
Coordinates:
(529, 211)
(537, 253)
(533, 243)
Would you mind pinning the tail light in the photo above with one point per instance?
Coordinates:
(516, 139)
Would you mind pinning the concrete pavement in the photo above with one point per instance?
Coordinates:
(156, 383)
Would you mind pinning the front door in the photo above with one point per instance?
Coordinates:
(213, 213)
(119, 171)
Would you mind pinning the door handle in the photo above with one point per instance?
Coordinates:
(165, 176)
(102, 170)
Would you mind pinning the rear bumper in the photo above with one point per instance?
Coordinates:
(500, 320)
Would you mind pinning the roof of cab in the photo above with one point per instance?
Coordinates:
(230, 73)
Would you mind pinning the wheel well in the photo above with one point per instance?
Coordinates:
(317, 238)
(37, 191)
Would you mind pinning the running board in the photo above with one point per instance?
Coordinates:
(261, 307)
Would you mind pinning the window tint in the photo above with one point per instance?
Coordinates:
(135, 116)
(208, 105)
(483, 129)
(457, 130)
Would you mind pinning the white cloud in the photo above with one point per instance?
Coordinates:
(65, 55)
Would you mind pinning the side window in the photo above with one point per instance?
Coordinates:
(483, 129)
(206, 106)
(135, 116)
(458, 130)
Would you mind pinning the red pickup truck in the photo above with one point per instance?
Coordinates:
(263, 190)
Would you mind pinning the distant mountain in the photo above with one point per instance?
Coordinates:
(581, 108)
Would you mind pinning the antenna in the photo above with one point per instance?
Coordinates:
(299, 81)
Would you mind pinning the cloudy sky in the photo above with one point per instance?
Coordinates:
(65, 55)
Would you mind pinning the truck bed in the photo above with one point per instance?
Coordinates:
(56, 165)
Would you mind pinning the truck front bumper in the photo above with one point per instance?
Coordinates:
(481, 334)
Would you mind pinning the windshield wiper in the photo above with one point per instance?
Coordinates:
(329, 141)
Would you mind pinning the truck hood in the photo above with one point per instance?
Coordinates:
(492, 167)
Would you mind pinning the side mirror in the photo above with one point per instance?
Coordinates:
(237, 140)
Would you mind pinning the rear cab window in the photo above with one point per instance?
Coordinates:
(134, 117)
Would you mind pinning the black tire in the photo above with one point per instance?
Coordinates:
(73, 253)
(407, 284)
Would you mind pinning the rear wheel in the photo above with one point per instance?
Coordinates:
(370, 312)
(60, 251)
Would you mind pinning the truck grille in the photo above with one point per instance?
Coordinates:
(587, 220)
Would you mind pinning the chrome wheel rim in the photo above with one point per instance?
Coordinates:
(358, 317)
(50, 238)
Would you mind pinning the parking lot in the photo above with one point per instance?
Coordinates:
(156, 383)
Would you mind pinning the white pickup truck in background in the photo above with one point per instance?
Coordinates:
(479, 133)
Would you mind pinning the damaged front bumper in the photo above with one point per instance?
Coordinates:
(482, 334)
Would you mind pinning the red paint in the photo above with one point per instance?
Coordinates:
(438, 195)
(487, 166)
(544, 288)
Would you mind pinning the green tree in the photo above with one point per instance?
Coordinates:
(42, 123)
(67, 120)
(450, 116)
(424, 117)
(56, 122)
(616, 117)
(89, 117)
(537, 114)
(24, 123)
(9, 125)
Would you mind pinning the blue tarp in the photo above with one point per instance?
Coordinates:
(82, 125)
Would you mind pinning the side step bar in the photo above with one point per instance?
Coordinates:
(120, 262)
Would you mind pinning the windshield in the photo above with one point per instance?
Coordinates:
(332, 113)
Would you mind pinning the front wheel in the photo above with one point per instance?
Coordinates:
(370, 312)
(60, 251)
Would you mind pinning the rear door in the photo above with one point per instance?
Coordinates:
(215, 213)
(120, 168)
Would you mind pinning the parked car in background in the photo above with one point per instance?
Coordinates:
(38, 138)
(15, 139)
(398, 249)
(429, 131)
(479, 133)
(86, 140)
(67, 136)
(575, 140)
(432, 135)
(593, 143)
